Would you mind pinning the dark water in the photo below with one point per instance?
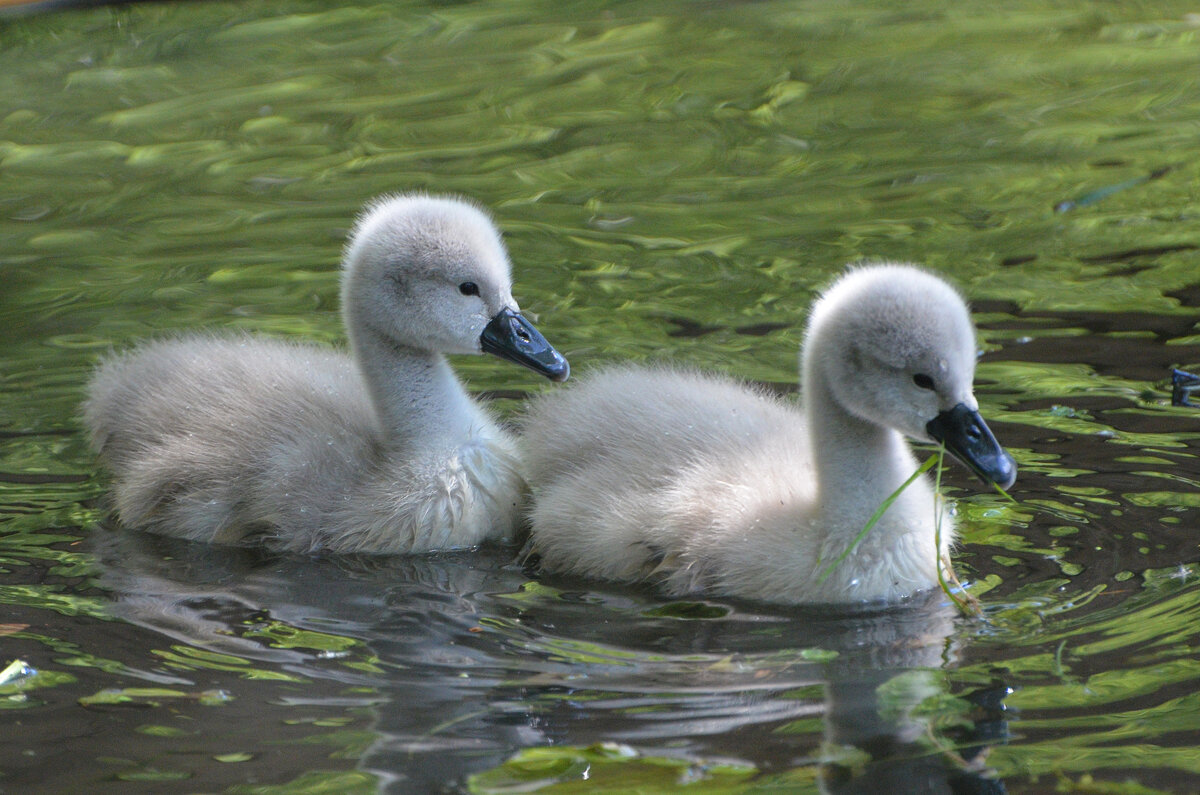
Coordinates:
(674, 180)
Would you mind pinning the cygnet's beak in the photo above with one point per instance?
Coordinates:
(510, 336)
(968, 438)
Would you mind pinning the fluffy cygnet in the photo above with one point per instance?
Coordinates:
(703, 485)
(241, 439)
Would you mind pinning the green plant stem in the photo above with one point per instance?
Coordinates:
(1004, 493)
(875, 517)
(967, 605)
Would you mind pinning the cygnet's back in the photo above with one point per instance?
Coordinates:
(233, 439)
(699, 484)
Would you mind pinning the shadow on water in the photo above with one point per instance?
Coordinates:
(461, 661)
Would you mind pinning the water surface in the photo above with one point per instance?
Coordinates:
(674, 180)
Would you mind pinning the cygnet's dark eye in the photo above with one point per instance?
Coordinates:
(469, 288)
(923, 381)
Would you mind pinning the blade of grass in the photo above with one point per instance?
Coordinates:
(967, 605)
(875, 517)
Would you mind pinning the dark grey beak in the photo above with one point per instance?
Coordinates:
(968, 438)
(512, 337)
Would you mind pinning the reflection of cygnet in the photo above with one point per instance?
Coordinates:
(220, 438)
(878, 737)
(701, 484)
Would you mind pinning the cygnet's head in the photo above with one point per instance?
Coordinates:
(896, 347)
(432, 274)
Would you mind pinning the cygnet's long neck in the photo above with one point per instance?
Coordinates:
(857, 463)
(418, 399)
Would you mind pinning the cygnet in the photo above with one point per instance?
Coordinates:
(701, 485)
(243, 439)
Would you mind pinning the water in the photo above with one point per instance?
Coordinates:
(674, 180)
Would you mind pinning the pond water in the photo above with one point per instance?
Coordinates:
(674, 180)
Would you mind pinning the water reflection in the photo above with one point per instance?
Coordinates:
(463, 661)
(673, 179)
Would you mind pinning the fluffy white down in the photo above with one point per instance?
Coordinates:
(703, 485)
(238, 439)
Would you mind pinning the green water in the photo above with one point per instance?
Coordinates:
(674, 179)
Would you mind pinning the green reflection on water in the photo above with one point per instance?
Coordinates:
(612, 768)
(16, 694)
(282, 636)
(189, 658)
(53, 598)
(152, 697)
(673, 180)
(349, 744)
(351, 783)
